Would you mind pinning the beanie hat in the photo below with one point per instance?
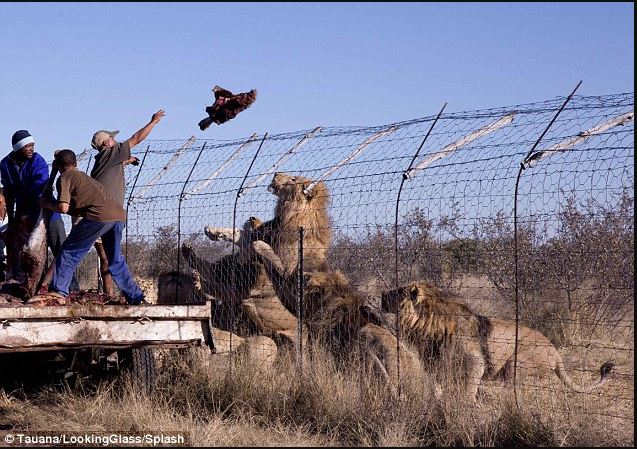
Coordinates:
(20, 139)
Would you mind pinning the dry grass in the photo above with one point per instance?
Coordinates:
(218, 401)
(326, 406)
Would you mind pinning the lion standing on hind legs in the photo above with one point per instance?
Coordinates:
(330, 302)
(296, 207)
(335, 312)
(432, 317)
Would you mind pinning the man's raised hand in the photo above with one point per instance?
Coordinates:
(157, 116)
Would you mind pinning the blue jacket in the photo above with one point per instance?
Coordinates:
(24, 185)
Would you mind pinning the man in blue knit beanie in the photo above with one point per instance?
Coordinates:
(24, 174)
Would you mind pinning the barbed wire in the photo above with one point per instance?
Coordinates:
(575, 220)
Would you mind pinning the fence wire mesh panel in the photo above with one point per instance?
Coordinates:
(226, 230)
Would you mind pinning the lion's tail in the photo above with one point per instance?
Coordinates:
(605, 370)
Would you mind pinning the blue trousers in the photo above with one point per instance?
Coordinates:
(55, 237)
(79, 242)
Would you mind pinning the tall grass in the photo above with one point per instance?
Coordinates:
(326, 405)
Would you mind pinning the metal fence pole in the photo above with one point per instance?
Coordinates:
(88, 163)
(232, 157)
(523, 166)
(299, 305)
(234, 223)
(130, 198)
(400, 189)
(283, 158)
(181, 197)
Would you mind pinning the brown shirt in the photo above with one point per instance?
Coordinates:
(88, 198)
(109, 169)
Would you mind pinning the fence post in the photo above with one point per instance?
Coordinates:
(130, 197)
(181, 197)
(400, 189)
(299, 305)
(88, 163)
(523, 166)
(234, 223)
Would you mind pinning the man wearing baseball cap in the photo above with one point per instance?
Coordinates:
(108, 169)
(79, 195)
(24, 174)
(112, 156)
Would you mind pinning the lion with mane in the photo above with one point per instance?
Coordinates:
(431, 317)
(268, 298)
(296, 207)
(239, 282)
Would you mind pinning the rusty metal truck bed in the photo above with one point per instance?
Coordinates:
(76, 326)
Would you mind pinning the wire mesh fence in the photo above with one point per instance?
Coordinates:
(571, 247)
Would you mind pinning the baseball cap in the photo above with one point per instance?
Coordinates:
(100, 137)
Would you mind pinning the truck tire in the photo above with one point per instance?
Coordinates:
(143, 367)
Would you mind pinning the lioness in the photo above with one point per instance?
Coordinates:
(244, 299)
(258, 311)
(430, 315)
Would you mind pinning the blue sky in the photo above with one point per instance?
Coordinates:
(71, 69)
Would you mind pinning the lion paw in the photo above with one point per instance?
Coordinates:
(218, 234)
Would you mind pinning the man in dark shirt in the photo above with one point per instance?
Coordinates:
(102, 216)
(112, 156)
(24, 174)
(108, 169)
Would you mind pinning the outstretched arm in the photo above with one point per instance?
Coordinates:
(143, 133)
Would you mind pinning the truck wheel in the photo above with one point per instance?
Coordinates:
(142, 366)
